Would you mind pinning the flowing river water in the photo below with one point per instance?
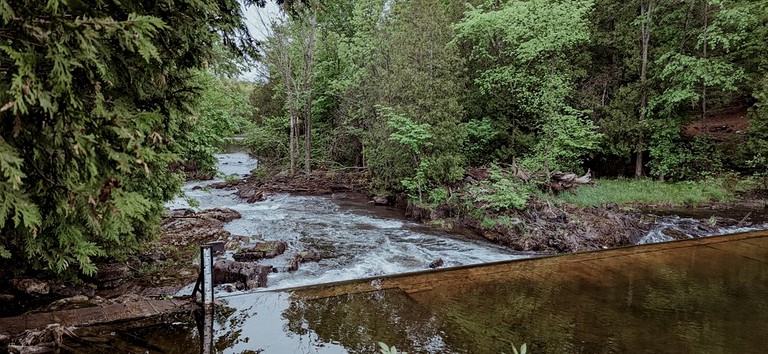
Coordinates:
(688, 300)
(354, 239)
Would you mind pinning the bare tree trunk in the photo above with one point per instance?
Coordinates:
(288, 81)
(309, 53)
(645, 11)
(704, 54)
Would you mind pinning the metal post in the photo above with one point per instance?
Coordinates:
(206, 269)
(206, 336)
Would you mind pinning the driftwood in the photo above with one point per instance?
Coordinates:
(558, 181)
(563, 181)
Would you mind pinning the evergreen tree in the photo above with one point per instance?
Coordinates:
(93, 109)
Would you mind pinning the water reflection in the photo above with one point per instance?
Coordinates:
(709, 298)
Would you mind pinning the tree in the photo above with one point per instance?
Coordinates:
(92, 111)
(526, 47)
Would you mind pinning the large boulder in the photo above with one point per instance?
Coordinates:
(186, 227)
(244, 274)
(268, 249)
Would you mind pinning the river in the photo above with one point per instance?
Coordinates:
(355, 239)
(706, 298)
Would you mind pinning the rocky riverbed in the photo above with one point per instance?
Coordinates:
(325, 230)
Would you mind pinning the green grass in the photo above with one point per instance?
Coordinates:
(645, 191)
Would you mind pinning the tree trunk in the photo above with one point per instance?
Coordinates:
(308, 64)
(704, 54)
(645, 11)
(286, 64)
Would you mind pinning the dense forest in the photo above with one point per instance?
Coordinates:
(101, 107)
(417, 91)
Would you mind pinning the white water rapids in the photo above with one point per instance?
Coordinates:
(358, 241)
(354, 242)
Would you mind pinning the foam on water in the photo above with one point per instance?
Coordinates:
(353, 244)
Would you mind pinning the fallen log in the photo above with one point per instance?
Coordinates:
(564, 181)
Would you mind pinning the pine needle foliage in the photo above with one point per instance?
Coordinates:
(93, 109)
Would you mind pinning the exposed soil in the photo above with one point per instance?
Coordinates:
(726, 124)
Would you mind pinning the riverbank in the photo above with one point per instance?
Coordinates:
(545, 226)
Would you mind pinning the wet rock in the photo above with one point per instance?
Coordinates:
(224, 185)
(217, 247)
(436, 263)
(111, 275)
(293, 264)
(674, 233)
(30, 286)
(380, 200)
(183, 229)
(268, 249)
(250, 275)
(236, 242)
(221, 214)
(125, 298)
(229, 287)
(250, 193)
(180, 213)
(302, 257)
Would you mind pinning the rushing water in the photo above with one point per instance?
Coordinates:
(679, 298)
(354, 240)
(653, 299)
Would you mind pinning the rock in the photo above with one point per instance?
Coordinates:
(674, 233)
(7, 297)
(183, 229)
(221, 214)
(61, 289)
(31, 286)
(293, 264)
(308, 256)
(436, 263)
(268, 249)
(224, 185)
(380, 200)
(68, 303)
(250, 193)
(110, 275)
(181, 213)
(302, 257)
(229, 287)
(248, 274)
(217, 247)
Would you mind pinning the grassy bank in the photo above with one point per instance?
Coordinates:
(645, 191)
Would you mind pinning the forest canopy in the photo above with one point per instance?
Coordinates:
(417, 91)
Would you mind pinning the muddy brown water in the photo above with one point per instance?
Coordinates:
(695, 296)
